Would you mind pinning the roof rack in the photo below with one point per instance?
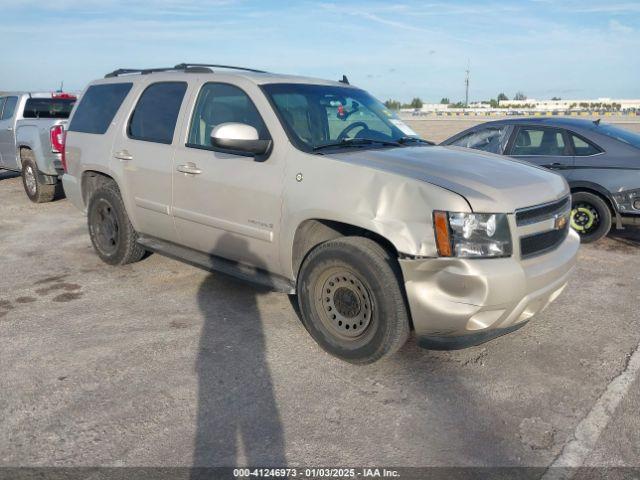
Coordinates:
(141, 71)
(185, 67)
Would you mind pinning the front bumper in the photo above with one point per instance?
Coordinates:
(458, 302)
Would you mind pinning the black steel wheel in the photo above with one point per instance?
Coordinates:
(112, 235)
(351, 299)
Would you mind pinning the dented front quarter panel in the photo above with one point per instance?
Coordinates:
(394, 206)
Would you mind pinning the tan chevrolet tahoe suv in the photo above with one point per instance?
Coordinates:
(314, 188)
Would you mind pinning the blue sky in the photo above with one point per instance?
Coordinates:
(545, 48)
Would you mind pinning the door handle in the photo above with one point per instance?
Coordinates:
(123, 155)
(10, 129)
(190, 168)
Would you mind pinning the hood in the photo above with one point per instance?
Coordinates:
(490, 183)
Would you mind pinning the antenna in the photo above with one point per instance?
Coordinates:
(61, 87)
(466, 85)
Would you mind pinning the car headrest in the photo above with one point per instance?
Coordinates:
(524, 139)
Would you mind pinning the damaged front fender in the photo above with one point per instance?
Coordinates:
(395, 207)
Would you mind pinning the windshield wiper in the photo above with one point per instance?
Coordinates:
(356, 142)
(407, 139)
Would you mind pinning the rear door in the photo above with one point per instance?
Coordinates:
(144, 151)
(547, 147)
(8, 155)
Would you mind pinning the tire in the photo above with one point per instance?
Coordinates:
(111, 232)
(590, 216)
(37, 191)
(352, 301)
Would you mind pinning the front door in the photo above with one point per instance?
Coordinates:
(145, 151)
(544, 146)
(227, 205)
(8, 156)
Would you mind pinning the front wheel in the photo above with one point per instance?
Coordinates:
(590, 216)
(351, 300)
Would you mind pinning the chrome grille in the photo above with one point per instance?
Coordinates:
(527, 216)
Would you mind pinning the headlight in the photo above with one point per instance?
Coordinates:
(472, 234)
(628, 200)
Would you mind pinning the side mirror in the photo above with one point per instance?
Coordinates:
(238, 139)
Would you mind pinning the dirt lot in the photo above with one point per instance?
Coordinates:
(159, 363)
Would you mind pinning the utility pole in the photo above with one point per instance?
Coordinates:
(466, 85)
(61, 87)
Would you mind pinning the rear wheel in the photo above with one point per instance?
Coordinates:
(590, 216)
(351, 300)
(111, 232)
(36, 190)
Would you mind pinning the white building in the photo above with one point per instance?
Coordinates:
(569, 104)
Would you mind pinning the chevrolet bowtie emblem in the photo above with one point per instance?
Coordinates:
(560, 222)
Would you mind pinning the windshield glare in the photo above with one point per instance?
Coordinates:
(318, 115)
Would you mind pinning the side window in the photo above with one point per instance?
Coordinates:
(9, 108)
(155, 116)
(98, 106)
(488, 140)
(222, 103)
(539, 141)
(582, 148)
(2, 99)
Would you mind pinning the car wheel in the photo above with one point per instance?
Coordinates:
(590, 216)
(37, 191)
(351, 300)
(111, 232)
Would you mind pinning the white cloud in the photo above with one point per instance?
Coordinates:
(616, 27)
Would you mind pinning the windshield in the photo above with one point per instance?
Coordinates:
(48, 107)
(619, 134)
(317, 116)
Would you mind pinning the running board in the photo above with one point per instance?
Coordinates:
(217, 264)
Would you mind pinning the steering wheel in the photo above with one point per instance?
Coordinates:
(345, 132)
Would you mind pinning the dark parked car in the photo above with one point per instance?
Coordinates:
(601, 163)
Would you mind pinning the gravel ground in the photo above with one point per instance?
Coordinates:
(159, 363)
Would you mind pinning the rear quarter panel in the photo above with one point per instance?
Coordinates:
(34, 133)
(93, 152)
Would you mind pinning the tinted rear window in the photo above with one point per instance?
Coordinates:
(155, 116)
(619, 134)
(98, 106)
(48, 107)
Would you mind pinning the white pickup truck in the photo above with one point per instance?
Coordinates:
(31, 139)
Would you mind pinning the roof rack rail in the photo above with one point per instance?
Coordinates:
(140, 71)
(183, 66)
(186, 67)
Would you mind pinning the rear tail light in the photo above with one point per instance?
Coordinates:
(58, 136)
